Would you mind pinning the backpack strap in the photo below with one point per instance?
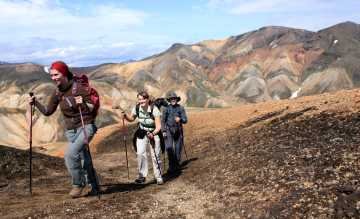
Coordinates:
(137, 109)
(59, 94)
(151, 111)
(166, 114)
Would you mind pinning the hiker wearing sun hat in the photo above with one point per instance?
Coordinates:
(77, 109)
(174, 117)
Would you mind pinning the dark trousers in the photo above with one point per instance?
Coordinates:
(173, 146)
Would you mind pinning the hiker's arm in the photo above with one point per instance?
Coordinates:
(131, 117)
(51, 106)
(157, 128)
(157, 125)
(163, 122)
(164, 118)
(183, 116)
(157, 114)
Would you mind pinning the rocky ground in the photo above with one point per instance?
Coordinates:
(292, 166)
(281, 159)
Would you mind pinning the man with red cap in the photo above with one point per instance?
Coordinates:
(70, 97)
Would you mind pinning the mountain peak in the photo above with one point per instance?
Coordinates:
(347, 23)
(175, 46)
(347, 26)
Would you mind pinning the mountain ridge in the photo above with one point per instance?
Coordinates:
(269, 63)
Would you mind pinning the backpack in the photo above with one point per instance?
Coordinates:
(83, 80)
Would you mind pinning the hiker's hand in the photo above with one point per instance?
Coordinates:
(78, 99)
(31, 100)
(177, 119)
(164, 134)
(150, 135)
(123, 114)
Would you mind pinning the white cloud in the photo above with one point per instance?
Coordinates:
(243, 7)
(43, 30)
(316, 22)
(261, 6)
(307, 14)
(43, 18)
(121, 44)
(220, 3)
(78, 55)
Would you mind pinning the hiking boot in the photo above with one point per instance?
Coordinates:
(93, 192)
(170, 172)
(159, 181)
(174, 170)
(76, 192)
(140, 180)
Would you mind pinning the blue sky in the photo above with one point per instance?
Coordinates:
(91, 32)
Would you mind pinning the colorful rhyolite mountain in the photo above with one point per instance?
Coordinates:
(269, 63)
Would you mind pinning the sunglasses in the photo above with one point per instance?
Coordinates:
(172, 98)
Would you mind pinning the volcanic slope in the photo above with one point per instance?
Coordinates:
(280, 159)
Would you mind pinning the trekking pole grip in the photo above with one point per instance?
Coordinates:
(31, 94)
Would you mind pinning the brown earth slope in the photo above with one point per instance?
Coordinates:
(281, 159)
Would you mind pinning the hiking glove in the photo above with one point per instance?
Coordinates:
(32, 100)
(150, 135)
(78, 99)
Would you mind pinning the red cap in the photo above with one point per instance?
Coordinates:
(61, 67)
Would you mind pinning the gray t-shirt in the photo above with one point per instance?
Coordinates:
(145, 120)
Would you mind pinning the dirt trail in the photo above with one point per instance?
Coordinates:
(120, 198)
(179, 199)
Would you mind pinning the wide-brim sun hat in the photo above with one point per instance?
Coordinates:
(172, 95)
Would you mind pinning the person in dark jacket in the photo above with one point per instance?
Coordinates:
(69, 97)
(174, 117)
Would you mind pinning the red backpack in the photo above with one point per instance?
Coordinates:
(83, 80)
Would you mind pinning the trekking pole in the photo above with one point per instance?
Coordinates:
(93, 174)
(152, 143)
(165, 159)
(183, 139)
(126, 154)
(163, 141)
(30, 144)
